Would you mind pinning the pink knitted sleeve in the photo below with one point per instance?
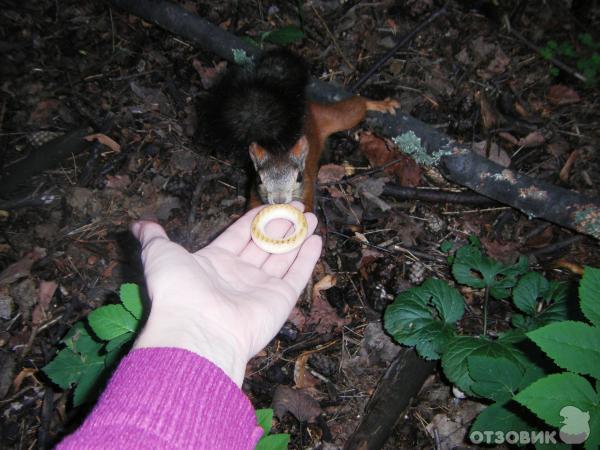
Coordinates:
(160, 398)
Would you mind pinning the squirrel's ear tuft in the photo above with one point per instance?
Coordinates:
(257, 153)
(300, 148)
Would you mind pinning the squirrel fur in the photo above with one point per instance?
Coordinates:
(262, 108)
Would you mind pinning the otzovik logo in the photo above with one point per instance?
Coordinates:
(576, 426)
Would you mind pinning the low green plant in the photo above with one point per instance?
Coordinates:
(270, 441)
(587, 59)
(507, 370)
(93, 347)
(281, 36)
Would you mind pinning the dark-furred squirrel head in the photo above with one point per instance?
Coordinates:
(261, 109)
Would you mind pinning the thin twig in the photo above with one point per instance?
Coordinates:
(401, 43)
(552, 59)
(333, 39)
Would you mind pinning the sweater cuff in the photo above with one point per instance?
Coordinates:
(169, 398)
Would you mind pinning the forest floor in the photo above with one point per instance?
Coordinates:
(70, 65)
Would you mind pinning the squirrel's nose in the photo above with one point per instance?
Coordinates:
(281, 197)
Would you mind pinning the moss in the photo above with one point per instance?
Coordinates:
(410, 144)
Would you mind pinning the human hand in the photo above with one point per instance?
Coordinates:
(226, 301)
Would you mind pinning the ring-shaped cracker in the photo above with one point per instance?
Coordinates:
(280, 211)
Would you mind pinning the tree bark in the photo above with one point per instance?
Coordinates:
(401, 382)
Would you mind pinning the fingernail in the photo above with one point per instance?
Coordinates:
(135, 228)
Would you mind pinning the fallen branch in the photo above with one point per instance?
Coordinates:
(43, 158)
(533, 197)
(437, 196)
(401, 382)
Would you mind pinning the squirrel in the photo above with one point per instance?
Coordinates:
(262, 108)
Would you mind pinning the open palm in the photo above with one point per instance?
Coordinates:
(226, 301)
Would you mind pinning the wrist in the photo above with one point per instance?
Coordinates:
(181, 330)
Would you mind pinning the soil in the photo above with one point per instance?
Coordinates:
(64, 243)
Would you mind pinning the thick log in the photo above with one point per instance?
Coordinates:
(401, 382)
(43, 158)
(183, 23)
(535, 198)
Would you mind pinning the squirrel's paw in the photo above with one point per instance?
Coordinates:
(388, 105)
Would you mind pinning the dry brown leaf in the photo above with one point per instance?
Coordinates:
(22, 267)
(297, 318)
(303, 379)
(505, 252)
(322, 314)
(565, 172)
(489, 114)
(407, 172)
(542, 239)
(368, 255)
(328, 281)
(558, 147)
(334, 192)
(463, 57)
(481, 49)
(43, 110)
(497, 154)
(496, 66)
(560, 94)
(45, 294)
(508, 137)
(24, 373)
(521, 110)
(330, 173)
(297, 402)
(118, 182)
(568, 265)
(533, 139)
(104, 140)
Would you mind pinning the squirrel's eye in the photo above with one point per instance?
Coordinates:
(299, 178)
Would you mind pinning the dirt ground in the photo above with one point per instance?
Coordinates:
(65, 249)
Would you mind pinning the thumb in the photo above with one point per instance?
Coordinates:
(146, 231)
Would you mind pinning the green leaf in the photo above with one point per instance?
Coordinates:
(446, 246)
(494, 378)
(424, 317)
(79, 340)
(474, 269)
(551, 307)
(498, 417)
(132, 299)
(567, 49)
(574, 346)
(589, 294)
(88, 382)
(460, 348)
(264, 417)
(283, 36)
(533, 372)
(111, 321)
(530, 287)
(118, 342)
(273, 442)
(65, 369)
(547, 396)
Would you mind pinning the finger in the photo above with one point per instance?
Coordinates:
(278, 265)
(277, 229)
(236, 237)
(145, 231)
(300, 271)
